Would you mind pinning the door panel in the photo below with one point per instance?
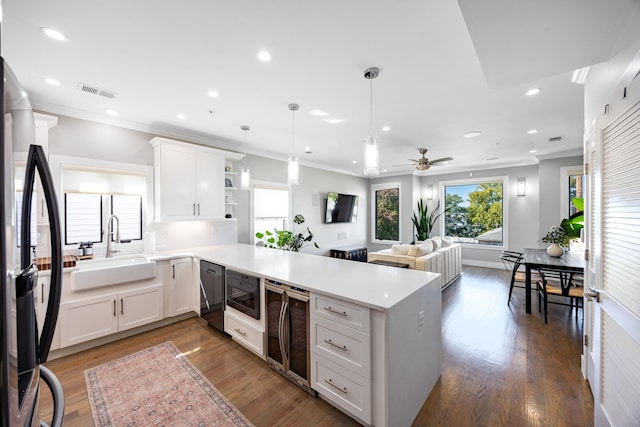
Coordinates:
(615, 269)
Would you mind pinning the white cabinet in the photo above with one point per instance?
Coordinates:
(89, 318)
(189, 181)
(340, 341)
(181, 287)
(41, 295)
(244, 333)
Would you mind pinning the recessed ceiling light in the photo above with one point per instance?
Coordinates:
(52, 82)
(181, 116)
(54, 34)
(213, 93)
(472, 134)
(111, 112)
(386, 129)
(384, 170)
(532, 151)
(354, 161)
(532, 131)
(532, 92)
(318, 113)
(334, 121)
(264, 56)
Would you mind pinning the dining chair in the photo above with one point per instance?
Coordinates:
(512, 262)
(559, 284)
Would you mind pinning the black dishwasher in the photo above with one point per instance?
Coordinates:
(212, 299)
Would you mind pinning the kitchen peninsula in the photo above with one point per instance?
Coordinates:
(400, 312)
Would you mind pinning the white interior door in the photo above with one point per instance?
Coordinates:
(614, 264)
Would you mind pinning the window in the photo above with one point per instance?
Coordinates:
(572, 182)
(92, 194)
(475, 211)
(85, 216)
(270, 208)
(576, 189)
(385, 213)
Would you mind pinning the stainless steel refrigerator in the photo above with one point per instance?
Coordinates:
(24, 348)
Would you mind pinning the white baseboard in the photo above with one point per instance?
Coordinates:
(487, 264)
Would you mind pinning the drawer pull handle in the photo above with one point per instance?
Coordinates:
(339, 388)
(333, 310)
(244, 334)
(341, 347)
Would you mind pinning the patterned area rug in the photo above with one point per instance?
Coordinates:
(157, 386)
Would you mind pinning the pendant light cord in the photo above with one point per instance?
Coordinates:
(371, 106)
(293, 133)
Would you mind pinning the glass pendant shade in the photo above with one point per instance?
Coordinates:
(245, 178)
(293, 171)
(371, 156)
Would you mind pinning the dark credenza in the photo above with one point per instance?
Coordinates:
(353, 253)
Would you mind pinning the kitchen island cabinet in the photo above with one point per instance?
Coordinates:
(395, 327)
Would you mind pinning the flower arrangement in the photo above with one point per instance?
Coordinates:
(557, 235)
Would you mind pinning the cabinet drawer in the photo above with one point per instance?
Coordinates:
(345, 313)
(345, 346)
(344, 388)
(247, 335)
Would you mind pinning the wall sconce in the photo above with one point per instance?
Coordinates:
(522, 187)
(429, 191)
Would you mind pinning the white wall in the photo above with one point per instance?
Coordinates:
(308, 199)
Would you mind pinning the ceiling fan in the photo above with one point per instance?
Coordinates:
(423, 163)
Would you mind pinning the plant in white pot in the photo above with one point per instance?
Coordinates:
(559, 240)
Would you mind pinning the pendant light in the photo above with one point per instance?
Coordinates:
(371, 151)
(293, 168)
(245, 176)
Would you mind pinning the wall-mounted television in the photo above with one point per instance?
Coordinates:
(341, 208)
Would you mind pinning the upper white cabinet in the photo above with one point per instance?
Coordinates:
(189, 181)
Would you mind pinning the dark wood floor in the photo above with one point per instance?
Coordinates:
(500, 367)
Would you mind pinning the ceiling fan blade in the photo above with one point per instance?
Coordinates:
(444, 159)
(414, 160)
(401, 166)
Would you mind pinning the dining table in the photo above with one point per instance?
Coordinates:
(535, 259)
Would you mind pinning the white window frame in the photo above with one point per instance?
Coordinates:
(385, 186)
(58, 162)
(266, 184)
(506, 195)
(565, 173)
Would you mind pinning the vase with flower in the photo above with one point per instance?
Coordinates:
(559, 240)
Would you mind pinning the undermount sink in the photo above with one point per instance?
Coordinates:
(111, 271)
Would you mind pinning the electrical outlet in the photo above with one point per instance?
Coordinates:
(420, 320)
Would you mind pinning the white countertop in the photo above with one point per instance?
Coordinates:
(375, 286)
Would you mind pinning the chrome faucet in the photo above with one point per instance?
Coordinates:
(110, 232)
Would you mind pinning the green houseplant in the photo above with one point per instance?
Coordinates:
(575, 223)
(424, 220)
(286, 239)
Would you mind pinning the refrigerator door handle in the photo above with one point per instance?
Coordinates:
(37, 160)
(56, 393)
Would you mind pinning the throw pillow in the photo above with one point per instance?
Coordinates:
(400, 249)
(424, 248)
(447, 241)
(437, 242)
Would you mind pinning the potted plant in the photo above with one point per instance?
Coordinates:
(287, 240)
(558, 238)
(425, 220)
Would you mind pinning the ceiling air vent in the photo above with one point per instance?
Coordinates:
(97, 91)
(556, 138)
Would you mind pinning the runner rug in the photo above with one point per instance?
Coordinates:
(157, 386)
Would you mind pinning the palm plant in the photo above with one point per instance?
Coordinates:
(425, 220)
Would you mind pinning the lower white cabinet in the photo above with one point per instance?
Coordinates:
(245, 334)
(86, 319)
(181, 286)
(341, 354)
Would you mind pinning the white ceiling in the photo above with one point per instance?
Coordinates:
(446, 68)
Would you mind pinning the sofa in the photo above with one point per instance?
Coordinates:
(437, 255)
